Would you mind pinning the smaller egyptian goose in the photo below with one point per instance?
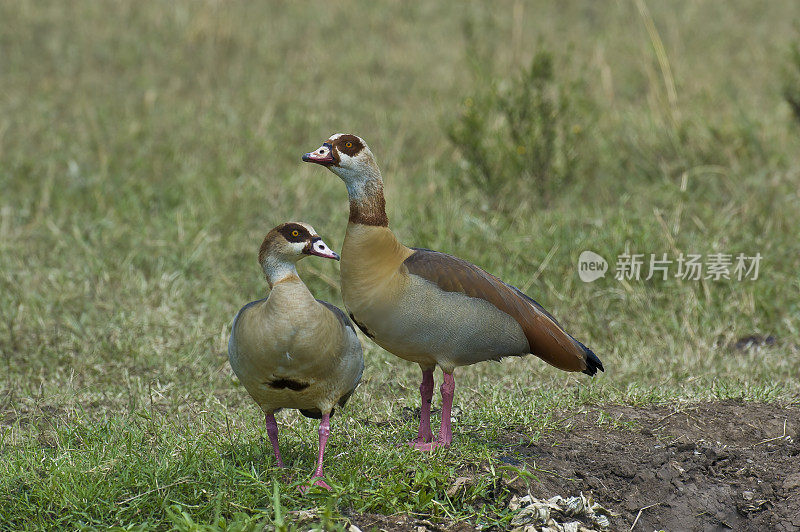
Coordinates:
(291, 350)
(430, 307)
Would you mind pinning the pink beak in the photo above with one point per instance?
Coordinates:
(322, 155)
(321, 249)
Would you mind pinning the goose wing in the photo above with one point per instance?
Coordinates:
(546, 338)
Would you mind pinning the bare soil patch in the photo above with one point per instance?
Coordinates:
(713, 466)
(702, 467)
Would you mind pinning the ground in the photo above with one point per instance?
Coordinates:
(708, 466)
(693, 467)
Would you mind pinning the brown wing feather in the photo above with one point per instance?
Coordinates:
(546, 338)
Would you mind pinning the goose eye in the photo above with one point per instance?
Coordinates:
(349, 145)
(295, 233)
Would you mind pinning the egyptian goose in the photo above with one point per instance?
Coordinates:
(291, 350)
(429, 307)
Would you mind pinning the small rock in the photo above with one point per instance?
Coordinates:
(792, 481)
(747, 495)
(665, 473)
(748, 342)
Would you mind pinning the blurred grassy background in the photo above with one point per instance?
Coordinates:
(147, 147)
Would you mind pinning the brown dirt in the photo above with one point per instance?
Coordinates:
(713, 466)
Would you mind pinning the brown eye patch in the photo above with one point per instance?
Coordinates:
(294, 232)
(349, 144)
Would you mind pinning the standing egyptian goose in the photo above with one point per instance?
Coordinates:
(429, 307)
(291, 350)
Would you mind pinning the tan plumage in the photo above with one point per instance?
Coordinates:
(546, 338)
(435, 309)
(291, 350)
(429, 307)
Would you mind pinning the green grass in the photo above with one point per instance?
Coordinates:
(146, 148)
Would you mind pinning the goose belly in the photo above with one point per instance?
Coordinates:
(281, 367)
(427, 325)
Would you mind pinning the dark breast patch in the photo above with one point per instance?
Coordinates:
(280, 384)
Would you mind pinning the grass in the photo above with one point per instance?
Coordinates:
(146, 148)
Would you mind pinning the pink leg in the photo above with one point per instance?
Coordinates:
(272, 431)
(445, 431)
(424, 434)
(324, 432)
(448, 392)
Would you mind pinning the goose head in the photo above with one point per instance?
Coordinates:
(349, 157)
(288, 243)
